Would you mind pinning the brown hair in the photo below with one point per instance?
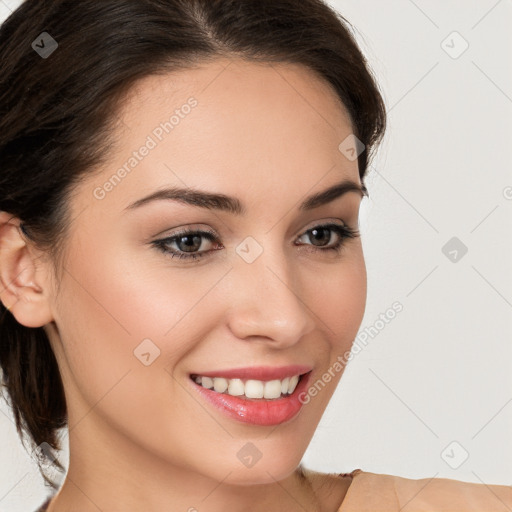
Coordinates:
(57, 116)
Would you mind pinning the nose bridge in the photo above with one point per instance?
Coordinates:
(267, 302)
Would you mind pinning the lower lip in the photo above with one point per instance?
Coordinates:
(257, 411)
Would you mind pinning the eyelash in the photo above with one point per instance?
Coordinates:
(343, 232)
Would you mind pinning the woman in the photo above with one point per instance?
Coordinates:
(179, 253)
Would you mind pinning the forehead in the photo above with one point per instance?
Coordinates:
(227, 81)
(230, 126)
(237, 100)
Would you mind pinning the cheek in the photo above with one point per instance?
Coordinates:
(340, 300)
(107, 306)
(111, 304)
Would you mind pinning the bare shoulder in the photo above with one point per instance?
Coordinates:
(330, 488)
(379, 491)
(441, 491)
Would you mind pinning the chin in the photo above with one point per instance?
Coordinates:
(260, 475)
(267, 466)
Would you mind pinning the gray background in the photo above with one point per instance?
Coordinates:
(429, 393)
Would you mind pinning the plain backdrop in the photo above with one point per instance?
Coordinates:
(429, 392)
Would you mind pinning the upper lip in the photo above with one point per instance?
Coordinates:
(259, 372)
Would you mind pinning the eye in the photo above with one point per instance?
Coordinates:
(323, 235)
(187, 243)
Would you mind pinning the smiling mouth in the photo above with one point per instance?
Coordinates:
(250, 389)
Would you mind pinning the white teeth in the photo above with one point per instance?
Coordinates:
(236, 387)
(206, 382)
(252, 388)
(220, 385)
(284, 385)
(293, 383)
(272, 389)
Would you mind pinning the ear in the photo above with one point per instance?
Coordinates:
(24, 279)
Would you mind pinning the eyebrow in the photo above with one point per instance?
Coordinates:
(222, 202)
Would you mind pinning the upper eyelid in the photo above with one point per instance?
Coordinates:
(172, 238)
(194, 230)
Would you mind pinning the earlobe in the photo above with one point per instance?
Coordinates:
(23, 280)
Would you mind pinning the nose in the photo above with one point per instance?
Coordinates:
(266, 303)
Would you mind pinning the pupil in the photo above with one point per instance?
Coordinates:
(191, 242)
(322, 230)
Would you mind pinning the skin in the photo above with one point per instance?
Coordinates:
(138, 438)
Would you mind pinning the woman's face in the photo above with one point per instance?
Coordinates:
(133, 323)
